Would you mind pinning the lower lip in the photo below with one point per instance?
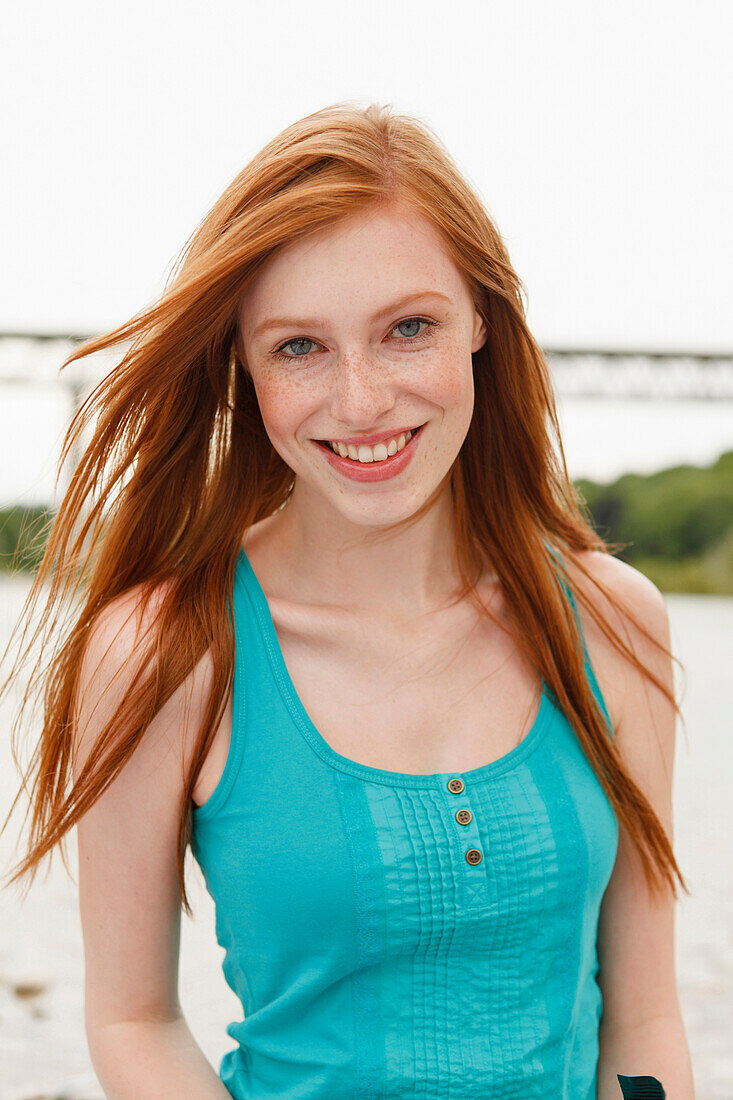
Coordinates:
(372, 471)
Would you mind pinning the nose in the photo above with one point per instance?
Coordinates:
(362, 390)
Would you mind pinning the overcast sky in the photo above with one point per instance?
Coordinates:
(598, 135)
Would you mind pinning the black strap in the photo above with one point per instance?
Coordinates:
(641, 1088)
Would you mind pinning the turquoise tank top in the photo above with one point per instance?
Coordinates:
(400, 935)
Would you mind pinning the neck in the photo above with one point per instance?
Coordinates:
(318, 557)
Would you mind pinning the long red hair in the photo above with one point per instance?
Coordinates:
(179, 465)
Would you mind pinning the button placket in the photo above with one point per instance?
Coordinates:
(474, 878)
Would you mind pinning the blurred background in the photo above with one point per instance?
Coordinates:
(599, 138)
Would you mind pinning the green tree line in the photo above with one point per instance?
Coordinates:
(675, 526)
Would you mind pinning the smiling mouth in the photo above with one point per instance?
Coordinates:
(413, 430)
(327, 445)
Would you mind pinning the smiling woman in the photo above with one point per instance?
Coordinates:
(351, 374)
(345, 629)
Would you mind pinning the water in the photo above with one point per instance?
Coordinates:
(42, 1041)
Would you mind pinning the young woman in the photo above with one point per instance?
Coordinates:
(346, 629)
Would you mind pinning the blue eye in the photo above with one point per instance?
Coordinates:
(410, 321)
(412, 339)
(299, 340)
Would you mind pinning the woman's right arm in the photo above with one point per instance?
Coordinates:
(139, 1042)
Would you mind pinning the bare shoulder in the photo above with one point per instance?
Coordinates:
(637, 612)
(637, 606)
(114, 651)
(632, 590)
(118, 646)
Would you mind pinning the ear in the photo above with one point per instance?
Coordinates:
(239, 351)
(480, 332)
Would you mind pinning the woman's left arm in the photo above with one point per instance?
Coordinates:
(641, 1030)
(655, 1048)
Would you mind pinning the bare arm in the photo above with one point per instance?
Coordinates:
(152, 1060)
(139, 1042)
(655, 1048)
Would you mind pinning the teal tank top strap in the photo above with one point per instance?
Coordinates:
(561, 574)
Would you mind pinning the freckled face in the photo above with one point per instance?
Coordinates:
(343, 359)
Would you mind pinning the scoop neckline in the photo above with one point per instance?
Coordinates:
(323, 749)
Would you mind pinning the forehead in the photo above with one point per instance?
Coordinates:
(360, 263)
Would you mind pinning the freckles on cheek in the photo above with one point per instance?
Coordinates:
(282, 406)
(453, 382)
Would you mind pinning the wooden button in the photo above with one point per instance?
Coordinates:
(455, 786)
(463, 817)
(473, 855)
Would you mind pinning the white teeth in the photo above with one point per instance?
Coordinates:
(365, 453)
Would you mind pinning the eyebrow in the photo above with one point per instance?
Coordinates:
(319, 322)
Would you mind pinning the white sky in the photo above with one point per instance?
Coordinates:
(599, 137)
